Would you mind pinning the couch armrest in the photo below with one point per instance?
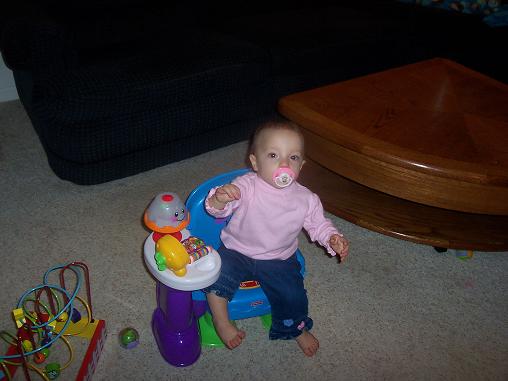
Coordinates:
(31, 40)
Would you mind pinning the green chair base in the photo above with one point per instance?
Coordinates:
(209, 337)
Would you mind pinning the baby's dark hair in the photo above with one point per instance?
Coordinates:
(276, 124)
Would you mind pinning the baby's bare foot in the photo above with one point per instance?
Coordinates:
(229, 334)
(308, 343)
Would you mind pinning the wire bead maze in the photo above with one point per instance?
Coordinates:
(51, 319)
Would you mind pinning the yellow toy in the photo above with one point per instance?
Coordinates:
(170, 253)
(19, 317)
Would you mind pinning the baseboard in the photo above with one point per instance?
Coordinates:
(8, 94)
(8, 90)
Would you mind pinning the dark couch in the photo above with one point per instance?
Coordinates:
(115, 87)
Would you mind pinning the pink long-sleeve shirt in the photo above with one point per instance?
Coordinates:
(266, 221)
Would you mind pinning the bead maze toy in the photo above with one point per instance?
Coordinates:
(181, 322)
(52, 319)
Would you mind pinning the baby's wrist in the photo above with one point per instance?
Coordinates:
(216, 203)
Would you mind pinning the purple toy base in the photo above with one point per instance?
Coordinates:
(179, 348)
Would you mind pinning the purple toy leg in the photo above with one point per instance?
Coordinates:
(175, 327)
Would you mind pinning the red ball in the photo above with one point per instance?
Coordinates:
(39, 358)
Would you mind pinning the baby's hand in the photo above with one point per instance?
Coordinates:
(226, 194)
(340, 245)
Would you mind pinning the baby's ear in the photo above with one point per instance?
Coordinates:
(253, 162)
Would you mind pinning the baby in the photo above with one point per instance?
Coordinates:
(269, 209)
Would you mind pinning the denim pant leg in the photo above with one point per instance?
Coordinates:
(282, 284)
(235, 268)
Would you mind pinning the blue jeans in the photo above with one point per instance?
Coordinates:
(281, 282)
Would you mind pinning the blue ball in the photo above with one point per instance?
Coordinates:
(45, 341)
(76, 316)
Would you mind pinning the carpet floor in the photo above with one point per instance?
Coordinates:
(394, 310)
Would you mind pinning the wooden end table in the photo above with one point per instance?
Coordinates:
(418, 152)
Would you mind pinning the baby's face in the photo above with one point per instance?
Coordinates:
(277, 148)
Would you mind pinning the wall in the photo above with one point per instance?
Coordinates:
(7, 87)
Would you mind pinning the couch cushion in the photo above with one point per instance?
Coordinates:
(308, 44)
(112, 80)
(118, 103)
(180, 127)
(313, 34)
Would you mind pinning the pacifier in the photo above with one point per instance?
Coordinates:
(283, 177)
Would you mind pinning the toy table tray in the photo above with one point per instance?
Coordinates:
(200, 274)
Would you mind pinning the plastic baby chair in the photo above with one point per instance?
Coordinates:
(249, 300)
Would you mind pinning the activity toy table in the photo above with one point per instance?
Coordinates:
(174, 322)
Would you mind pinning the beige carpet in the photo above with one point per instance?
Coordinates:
(394, 311)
